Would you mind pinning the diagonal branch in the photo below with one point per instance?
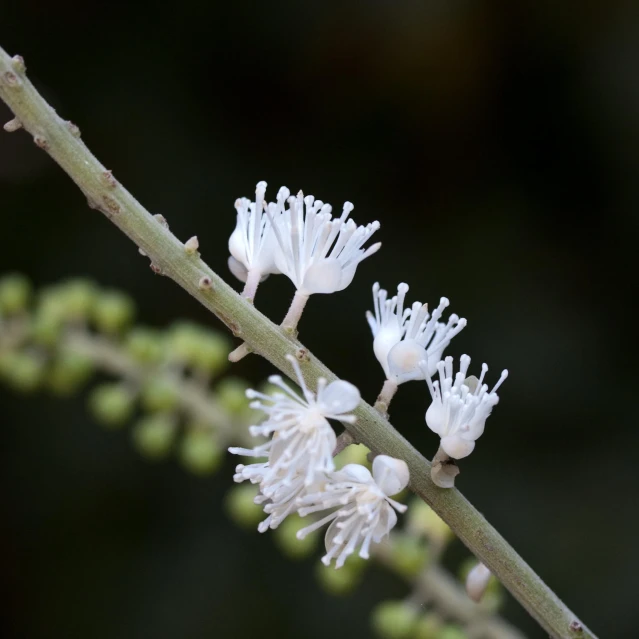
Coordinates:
(61, 140)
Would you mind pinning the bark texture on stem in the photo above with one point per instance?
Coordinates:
(61, 140)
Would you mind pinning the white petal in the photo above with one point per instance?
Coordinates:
(340, 397)
(323, 276)
(390, 474)
(404, 359)
(456, 447)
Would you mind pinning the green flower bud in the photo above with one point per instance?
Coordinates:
(289, 544)
(154, 435)
(184, 342)
(428, 626)
(69, 371)
(341, 581)
(159, 395)
(45, 327)
(146, 345)
(240, 506)
(231, 393)
(79, 295)
(113, 311)
(452, 631)
(199, 452)
(394, 620)
(111, 404)
(212, 353)
(421, 519)
(23, 371)
(409, 554)
(15, 291)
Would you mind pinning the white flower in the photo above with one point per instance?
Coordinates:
(318, 253)
(402, 338)
(460, 408)
(300, 451)
(365, 512)
(253, 244)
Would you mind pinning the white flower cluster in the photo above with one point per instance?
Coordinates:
(317, 253)
(297, 236)
(409, 344)
(299, 474)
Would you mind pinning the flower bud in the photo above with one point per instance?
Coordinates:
(154, 435)
(15, 291)
(212, 352)
(184, 342)
(343, 581)
(394, 620)
(199, 452)
(289, 544)
(68, 372)
(145, 345)
(23, 371)
(79, 296)
(231, 393)
(409, 555)
(113, 311)
(492, 596)
(477, 582)
(45, 327)
(111, 404)
(241, 507)
(159, 395)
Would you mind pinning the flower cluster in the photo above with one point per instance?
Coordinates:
(299, 473)
(317, 253)
(409, 344)
(298, 237)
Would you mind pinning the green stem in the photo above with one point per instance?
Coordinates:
(61, 140)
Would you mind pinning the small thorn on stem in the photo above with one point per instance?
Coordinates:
(205, 283)
(191, 245)
(161, 220)
(575, 626)
(18, 63)
(142, 253)
(12, 125)
(73, 129)
(11, 79)
(41, 142)
(156, 269)
(301, 355)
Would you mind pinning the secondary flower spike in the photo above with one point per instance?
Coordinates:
(364, 513)
(318, 253)
(301, 448)
(253, 244)
(404, 337)
(460, 406)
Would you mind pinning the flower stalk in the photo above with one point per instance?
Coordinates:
(61, 140)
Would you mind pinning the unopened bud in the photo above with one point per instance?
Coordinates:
(154, 435)
(111, 404)
(199, 452)
(159, 395)
(477, 582)
(68, 372)
(146, 345)
(241, 507)
(343, 581)
(428, 627)
(113, 311)
(191, 246)
(15, 291)
(409, 554)
(285, 536)
(394, 620)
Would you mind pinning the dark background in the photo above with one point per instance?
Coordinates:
(496, 142)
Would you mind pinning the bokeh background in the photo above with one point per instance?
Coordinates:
(496, 142)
